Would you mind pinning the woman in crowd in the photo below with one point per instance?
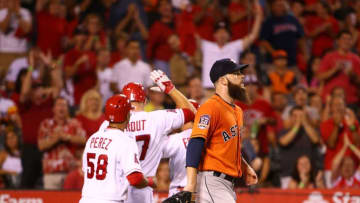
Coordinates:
(344, 172)
(10, 162)
(90, 113)
(304, 175)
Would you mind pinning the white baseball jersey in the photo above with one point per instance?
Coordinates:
(150, 130)
(109, 156)
(175, 149)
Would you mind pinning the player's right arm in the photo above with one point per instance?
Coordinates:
(165, 84)
(137, 180)
(131, 166)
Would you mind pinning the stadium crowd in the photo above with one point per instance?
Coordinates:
(61, 59)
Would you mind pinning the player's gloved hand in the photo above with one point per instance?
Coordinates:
(162, 81)
(181, 197)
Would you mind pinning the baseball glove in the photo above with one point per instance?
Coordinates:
(181, 197)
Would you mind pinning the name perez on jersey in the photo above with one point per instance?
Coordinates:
(99, 142)
(234, 132)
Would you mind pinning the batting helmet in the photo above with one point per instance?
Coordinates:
(117, 108)
(134, 92)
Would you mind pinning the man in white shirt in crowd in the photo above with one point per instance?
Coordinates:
(131, 68)
(222, 48)
(104, 74)
(15, 24)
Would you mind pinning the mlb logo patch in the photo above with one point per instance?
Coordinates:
(204, 122)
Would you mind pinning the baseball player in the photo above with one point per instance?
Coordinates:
(150, 128)
(110, 158)
(175, 150)
(213, 157)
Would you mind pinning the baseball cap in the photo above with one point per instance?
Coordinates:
(224, 66)
(279, 54)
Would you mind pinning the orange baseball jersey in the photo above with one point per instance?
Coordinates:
(219, 123)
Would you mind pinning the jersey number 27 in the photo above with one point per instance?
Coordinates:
(145, 139)
(100, 168)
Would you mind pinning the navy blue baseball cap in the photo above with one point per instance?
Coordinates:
(224, 66)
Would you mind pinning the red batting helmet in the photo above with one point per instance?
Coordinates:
(135, 92)
(194, 103)
(117, 108)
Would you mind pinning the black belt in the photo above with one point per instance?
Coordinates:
(224, 176)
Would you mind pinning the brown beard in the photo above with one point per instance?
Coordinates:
(237, 92)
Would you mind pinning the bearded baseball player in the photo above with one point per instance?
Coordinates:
(213, 157)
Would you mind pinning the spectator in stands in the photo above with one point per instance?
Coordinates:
(301, 99)
(281, 78)
(158, 49)
(222, 48)
(9, 113)
(278, 103)
(195, 90)
(344, 173)
(90, 112)
(80, 64)
(261, 163)
(304, 175)
(310, 80)
(336, 92)
(131, 68)
(163, 176)
(299, 138)
(104, 74)
(282, 27)
(341, 68)
(179, 64)
(297, 8)
(96, 37)
(18, 64)
(51, 27)
(350, 23)
(58, 137)
(133, 25)
(35, 99)
(75, 179)
(205, 15)
(259, 115)
(118, 51)
(10, 162)
(241, 18)
(342, 122)
(321, 28)
(156, 101)
(15, 24)
(315, 101)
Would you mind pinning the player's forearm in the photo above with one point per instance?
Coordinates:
(137, 180)
(181, 101)
(79, 140)
(46, 143)
(191, 179)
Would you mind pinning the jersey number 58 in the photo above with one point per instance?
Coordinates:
(100, 168)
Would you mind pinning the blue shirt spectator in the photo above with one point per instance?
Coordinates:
(282, 31)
